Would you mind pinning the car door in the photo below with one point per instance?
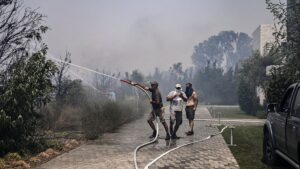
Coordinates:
(292, 128)
(279, 123)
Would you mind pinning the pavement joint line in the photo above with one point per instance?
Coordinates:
(183, 145)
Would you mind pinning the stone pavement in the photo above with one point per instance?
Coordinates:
(115, 150)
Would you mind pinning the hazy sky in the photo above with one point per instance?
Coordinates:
(121, 35)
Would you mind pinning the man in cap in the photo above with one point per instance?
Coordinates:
(191, 105)
(177, 98)
(157, 105)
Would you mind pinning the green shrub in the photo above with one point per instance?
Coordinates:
(2, 164)
(13, 157)
(99, 118)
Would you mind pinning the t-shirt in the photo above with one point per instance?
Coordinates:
(156, 96)
(177, 103)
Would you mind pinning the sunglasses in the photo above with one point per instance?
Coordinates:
(178, 88)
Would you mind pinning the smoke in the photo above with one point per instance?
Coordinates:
(126, 35)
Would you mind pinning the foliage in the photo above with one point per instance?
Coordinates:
(247, 95)
(25, 76)
(62, 81)
(286, 48)
(19, 28)
(28, 86)
(136, 76)
(107, 116)
(251, 75)
(226, 49)
(216, 87)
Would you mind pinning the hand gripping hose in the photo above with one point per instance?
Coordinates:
(157, 129)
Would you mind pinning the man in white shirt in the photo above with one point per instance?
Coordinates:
(177, 98)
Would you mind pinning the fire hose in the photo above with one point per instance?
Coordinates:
(157, 128)
(183, 145)
(154, 140)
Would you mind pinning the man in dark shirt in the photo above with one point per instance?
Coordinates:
(157, 105)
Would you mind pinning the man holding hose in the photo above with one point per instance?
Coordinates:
(157, 105)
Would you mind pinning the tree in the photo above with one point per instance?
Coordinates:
(286, 48)
(251, 75)
(215, 86)
(19, 29)
(61, 77)
(29, 84)
(226, 49)
(136, 76)
(25, 75)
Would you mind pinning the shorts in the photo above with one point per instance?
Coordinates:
(158, 113)
(176, 116)
(190, 113)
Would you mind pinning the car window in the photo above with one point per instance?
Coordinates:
(286, 100)
(296, 108)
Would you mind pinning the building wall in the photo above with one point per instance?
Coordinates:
(262, 38)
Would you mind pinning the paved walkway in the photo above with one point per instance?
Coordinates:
(115, 150)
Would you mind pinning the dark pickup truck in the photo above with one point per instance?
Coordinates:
(282, 129)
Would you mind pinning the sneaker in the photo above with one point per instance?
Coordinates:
(174, 137)
(153, 134)
(168, 137)
(189, 133)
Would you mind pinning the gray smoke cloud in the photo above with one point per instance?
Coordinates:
(119, 35)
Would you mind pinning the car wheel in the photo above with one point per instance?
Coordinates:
(269, 155)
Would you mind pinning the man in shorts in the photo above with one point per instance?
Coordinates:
(177, 98)
(191, 106)
(157, 105)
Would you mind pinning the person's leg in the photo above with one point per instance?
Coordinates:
(191, 113)
(164, 123)
(151, 124)
(172, 120)
(178, 122)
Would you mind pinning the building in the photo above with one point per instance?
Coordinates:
(262, 41)
(263, 38)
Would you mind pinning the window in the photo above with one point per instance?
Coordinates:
(296, 108)
(286, 100)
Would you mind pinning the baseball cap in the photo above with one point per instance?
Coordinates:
(178, 86)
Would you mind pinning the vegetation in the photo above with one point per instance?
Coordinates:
(230, 112)
(248, 151)
(286, 48)
(225, 49)
(25, 77)
(252, 75)
(37, 95)
(215, 86)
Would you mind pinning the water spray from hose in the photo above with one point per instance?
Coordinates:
(82, 67)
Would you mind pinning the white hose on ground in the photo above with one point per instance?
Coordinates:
(148, 143)
(143, 145)
(167, 152)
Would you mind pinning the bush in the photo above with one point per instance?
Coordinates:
(13, 157)
(107, 117)
(2, 164)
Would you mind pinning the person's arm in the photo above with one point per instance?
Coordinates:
(142, 86)
(183, 96)
(196, 101)
(171, 96)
